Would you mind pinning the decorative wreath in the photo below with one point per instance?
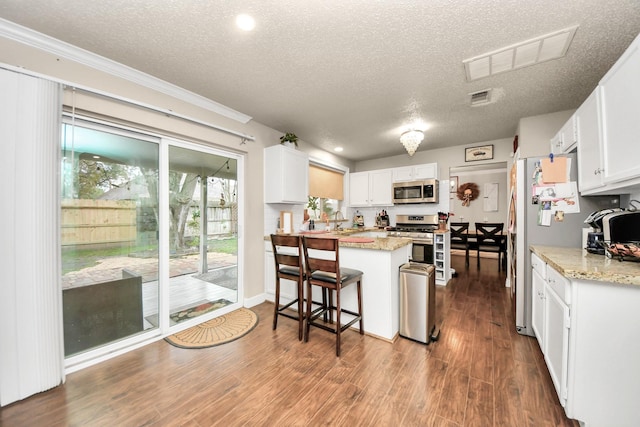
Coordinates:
(468, 192)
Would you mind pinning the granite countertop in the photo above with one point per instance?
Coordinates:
(576, 263)
(379, 243)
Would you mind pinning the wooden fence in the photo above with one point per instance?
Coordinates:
(96, 222)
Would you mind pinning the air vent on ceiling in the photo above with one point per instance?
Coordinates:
(534, 51)
(480, 97)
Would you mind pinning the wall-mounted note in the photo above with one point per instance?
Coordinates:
(556, 170)
(286, 221)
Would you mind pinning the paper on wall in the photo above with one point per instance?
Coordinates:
(491, 197)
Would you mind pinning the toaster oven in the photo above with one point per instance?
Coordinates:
(621, 227)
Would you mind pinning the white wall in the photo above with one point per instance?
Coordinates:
(445, 157)
(475, 211)
(534, 133)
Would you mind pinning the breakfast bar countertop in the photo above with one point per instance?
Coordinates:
(374, 243)
(577, 263)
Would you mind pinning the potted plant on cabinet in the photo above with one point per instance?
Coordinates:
(289, 139)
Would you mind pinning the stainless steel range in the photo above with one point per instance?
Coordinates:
(420, 229)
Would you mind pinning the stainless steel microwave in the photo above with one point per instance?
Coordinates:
(423, 191)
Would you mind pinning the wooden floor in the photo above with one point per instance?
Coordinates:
(480, 373)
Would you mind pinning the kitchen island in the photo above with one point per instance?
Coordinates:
(379, 259)
(586, 307)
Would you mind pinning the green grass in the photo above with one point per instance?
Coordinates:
(225, 246)
(77, 259)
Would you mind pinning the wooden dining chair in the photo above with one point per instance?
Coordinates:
(322, 260)
(460, 238)
(490, 239)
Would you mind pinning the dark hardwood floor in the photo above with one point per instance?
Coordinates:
(480, 373)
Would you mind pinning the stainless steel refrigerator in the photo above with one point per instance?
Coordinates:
(523, 231)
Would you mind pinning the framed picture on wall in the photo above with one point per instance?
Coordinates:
(483, 152)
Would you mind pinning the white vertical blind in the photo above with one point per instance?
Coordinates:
(31, 334)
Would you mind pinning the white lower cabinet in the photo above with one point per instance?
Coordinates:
(589, 332)
(556, 341)
(537, 305)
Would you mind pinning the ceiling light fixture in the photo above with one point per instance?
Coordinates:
(338, 149)
(245, 22)
(411, 139)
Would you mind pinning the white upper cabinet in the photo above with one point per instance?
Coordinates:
(589, 147)
(565, 140)
(371, 188)
(411, 173)
(620, 109)
(286, 175)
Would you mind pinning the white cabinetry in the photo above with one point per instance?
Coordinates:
(538, 278)
(371, 188)
(411, 173)
(620, 97)
(589, 147)
(589, 346)
(286, 175)
(608, 128)
(442, 258)
(556, 331)
(565, 140)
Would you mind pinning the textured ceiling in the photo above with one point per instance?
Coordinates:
(351, 73)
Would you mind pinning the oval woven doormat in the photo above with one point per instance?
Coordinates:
(216, 331)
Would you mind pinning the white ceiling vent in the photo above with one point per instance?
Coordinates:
(534, 51)
(481, 97)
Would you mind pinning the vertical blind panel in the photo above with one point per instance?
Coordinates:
(325, 183)
(31, 324)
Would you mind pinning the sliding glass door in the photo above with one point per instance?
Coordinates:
(109, 233)
(146, 236)
(203, 232)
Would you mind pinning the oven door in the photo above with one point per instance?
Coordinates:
(422, 251)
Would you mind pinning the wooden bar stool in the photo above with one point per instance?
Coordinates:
(322, 259)
(287, 254)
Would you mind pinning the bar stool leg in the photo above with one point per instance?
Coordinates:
(338, 324)
(277, 304)
(359, 284)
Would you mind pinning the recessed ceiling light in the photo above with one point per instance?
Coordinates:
(96, 157)
(338, 149)
(245, 22)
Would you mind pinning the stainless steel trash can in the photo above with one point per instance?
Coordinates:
(418, 302)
